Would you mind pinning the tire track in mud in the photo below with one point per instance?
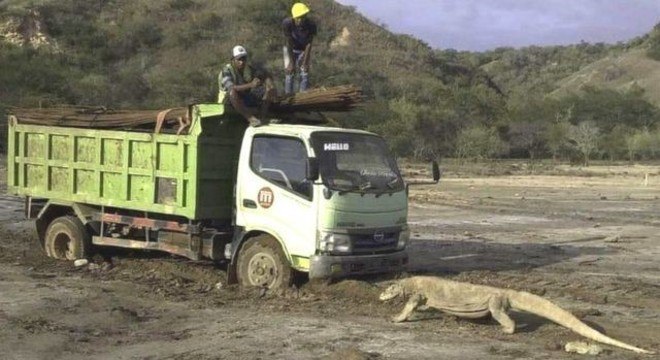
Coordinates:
(11, 208)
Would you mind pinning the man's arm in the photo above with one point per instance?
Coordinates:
(254, 83)
(307, 55)
(228, 82)
(286, 30)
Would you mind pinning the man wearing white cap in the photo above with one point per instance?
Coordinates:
(244, 86)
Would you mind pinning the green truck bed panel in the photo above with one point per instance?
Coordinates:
(189, 175)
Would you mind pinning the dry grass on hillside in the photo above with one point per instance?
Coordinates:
(618, 72)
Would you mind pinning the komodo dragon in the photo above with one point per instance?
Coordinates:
(475, 301)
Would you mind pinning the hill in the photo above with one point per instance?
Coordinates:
(427, 102)
(538, 69)
(152, 54)
(636, 69)
(147, 52)
(619, 72)
(563, 70)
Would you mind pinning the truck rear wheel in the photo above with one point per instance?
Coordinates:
(66, 238)
(262, 263)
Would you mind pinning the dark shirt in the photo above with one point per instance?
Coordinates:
(299, 36)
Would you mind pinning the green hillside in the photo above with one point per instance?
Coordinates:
(155, 53)
(560, 99)
(538, 69)
(618, 72)
(638, 68)
(427, 102)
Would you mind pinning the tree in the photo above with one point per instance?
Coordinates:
(653, 50)
(527, 136)
(614, 144)
(435, 133)
(643, 144)
(585, 138)
(556, 133)
(607, 107)
(399, 127)
(479, 142)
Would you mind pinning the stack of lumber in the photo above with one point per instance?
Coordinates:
(338, 98)
(97, 117)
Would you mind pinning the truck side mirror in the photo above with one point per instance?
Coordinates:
(436, 171)
(436, 177)
(312, 169)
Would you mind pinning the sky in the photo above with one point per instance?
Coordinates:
(478, 25)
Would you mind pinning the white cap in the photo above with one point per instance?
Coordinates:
(238, 51)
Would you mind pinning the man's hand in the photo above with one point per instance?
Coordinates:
(253, 121)
(255, 82)
(271, 92)
(289, 67)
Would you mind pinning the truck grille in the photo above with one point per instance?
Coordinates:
(375, 242)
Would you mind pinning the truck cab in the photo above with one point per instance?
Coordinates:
(332, 199)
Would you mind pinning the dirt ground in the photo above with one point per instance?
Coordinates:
(587, 239)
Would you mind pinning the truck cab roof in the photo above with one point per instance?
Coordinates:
(300, 130)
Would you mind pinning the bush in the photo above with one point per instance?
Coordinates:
(585, 137)
(643, 144)
(92, 89)
(182, 5)
(653, 50)
(479, 143)
(613, 144)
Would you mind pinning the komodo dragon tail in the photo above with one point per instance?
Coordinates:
(539, 306)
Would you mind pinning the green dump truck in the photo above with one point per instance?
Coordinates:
(268, 200)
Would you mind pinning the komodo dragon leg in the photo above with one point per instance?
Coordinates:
(498, 305)
(414, 301)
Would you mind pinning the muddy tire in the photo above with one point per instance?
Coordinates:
(262, 263)
(66, 239)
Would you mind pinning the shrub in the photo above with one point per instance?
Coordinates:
(653, 50)
(478, 143)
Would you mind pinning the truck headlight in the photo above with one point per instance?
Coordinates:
(334, 243)
(404, 236)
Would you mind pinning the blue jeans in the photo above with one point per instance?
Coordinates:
(304, 75)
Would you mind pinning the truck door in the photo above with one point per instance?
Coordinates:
(274, 196)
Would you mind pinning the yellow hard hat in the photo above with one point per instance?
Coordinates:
(299, 9)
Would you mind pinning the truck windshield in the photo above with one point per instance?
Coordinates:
(356, 163)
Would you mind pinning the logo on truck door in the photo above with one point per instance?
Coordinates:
(265, 197)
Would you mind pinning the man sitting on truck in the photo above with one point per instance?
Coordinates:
(245, 87)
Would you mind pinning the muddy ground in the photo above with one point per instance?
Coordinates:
(588, 239)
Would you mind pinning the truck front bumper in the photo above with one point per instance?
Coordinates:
(329, 266)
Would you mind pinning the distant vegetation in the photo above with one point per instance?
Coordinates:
(654, 43)
(428, 103)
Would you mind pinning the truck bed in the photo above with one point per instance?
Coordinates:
(190, 174)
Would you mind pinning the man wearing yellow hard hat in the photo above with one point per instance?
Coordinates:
(299, 31)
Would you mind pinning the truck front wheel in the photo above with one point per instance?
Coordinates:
(262, 263)
(66, 238)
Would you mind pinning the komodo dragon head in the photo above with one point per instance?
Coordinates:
(392, 291)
